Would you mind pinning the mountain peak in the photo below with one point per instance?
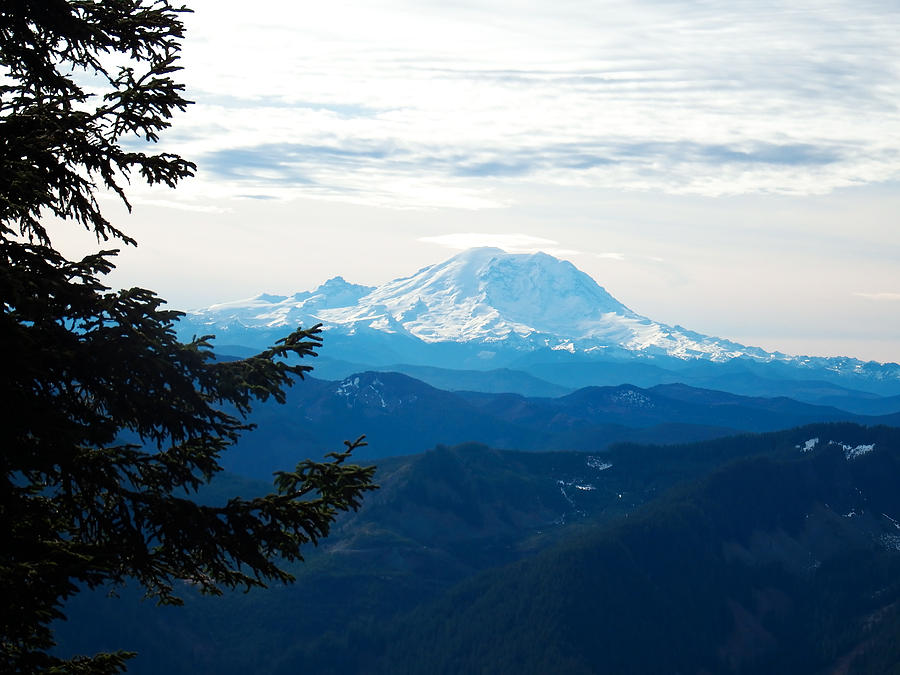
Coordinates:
(336, 292)
(479, 252)
(480, 304)
(486, 294)
(482, 296)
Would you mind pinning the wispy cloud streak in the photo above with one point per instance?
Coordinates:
(418, 104)
(510, 242)
(892, 297)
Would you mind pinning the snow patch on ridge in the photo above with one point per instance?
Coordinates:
(809, 445)
(597, 464)
(351, 390)
(853, 451)
(633, 399)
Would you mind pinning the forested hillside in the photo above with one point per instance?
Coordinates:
(470, 559)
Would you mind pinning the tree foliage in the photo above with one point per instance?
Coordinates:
(110, 424)
(79, 77)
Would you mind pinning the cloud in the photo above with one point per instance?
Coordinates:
(181, 205)
(895, 297)
(412, 104)
(512, 243)
(388, 171)
(524, 243)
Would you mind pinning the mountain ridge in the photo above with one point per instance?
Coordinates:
(485, 309)
(401, 415)
(472, 559)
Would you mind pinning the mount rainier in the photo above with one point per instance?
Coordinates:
(485, 308)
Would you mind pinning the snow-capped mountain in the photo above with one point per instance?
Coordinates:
(481, 296)
(278, 311)
(482, 305)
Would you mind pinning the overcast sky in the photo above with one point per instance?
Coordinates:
(732, 167)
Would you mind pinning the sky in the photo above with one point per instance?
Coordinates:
(730, 167)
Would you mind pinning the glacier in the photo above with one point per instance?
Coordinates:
(484, 296)
(486, 306)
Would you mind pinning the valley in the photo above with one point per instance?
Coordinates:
(564, 486)
(732, 555)
(467, 338)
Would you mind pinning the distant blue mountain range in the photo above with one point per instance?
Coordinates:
(485, 309)
(401, 415)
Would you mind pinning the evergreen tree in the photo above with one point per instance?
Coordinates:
(109, 423)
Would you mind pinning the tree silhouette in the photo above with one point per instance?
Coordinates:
(109, 423)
